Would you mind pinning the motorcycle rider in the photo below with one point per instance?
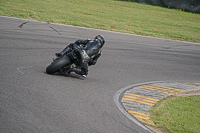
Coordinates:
(87, 51)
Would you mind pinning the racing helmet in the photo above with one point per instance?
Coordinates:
(100, 38)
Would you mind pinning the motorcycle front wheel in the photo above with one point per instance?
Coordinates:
(58, 64)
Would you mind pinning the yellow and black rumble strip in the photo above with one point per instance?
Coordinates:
(138, 100)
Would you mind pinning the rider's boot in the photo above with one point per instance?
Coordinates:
(79, 71)
(65, 51)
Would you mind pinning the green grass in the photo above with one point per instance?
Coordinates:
(112, 15)
(177, 114)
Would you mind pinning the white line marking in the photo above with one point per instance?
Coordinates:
(22, 68)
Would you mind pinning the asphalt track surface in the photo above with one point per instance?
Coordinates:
(33, 101)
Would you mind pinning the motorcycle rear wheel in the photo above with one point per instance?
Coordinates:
(58, 64)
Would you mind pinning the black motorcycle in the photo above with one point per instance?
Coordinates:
(82, 55)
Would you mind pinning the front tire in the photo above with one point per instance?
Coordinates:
(58, 64)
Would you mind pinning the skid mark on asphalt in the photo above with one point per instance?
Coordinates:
(138, 100)
(21, 25)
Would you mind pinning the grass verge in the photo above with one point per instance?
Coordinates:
(177, 114)
(112, 15)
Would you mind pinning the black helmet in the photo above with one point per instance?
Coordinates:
(100, 38)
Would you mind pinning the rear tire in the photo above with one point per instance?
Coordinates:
(58, 64)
